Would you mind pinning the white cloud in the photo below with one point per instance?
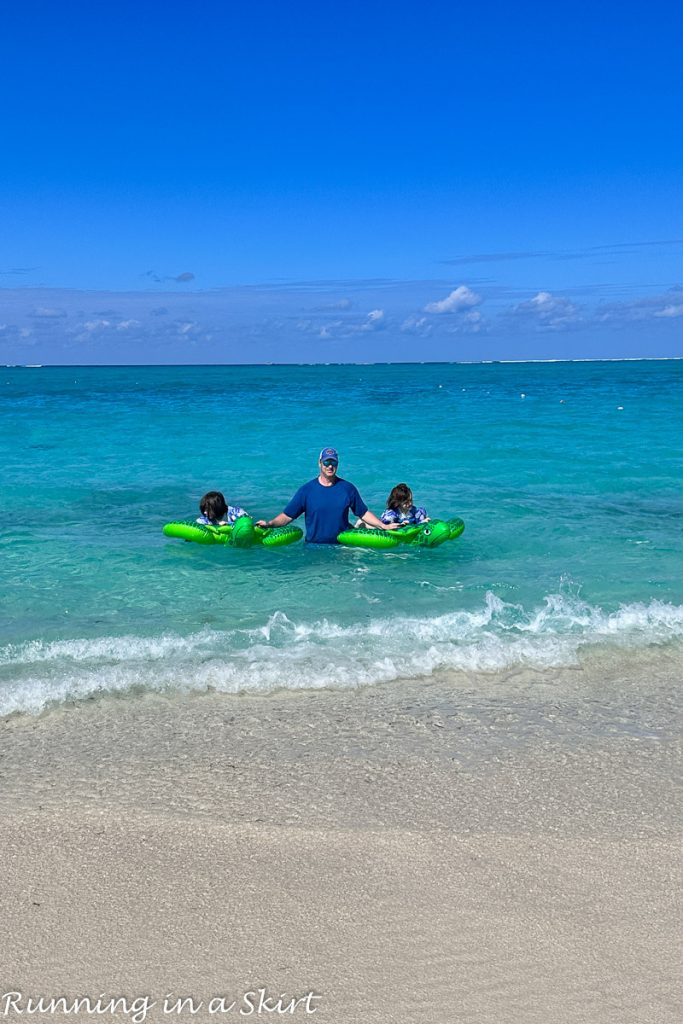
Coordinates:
(460, 298)
(187, 327)
(670, 311)
(342, 304)
(330, 330)
(128, 326)
(11, 332)
(474, 320)
(548, 311)
(47, 313)
(470, 322)
(96, 325)
(374, 321)
(668, 306)
(544, 300)
(420, 325)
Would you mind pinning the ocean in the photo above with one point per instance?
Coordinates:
(567, 475)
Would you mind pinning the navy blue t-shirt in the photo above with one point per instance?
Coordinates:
(326, 509)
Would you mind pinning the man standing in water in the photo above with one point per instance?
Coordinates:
(325, 502)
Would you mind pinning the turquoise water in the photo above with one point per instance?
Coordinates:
(568, 476)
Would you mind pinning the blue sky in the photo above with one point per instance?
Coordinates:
(318, 182)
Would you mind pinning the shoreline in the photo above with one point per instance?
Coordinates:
(406, 861)
(605, 678)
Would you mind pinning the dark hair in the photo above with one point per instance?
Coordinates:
(400, 494)
(213, 505)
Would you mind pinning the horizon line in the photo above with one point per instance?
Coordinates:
(400, 362)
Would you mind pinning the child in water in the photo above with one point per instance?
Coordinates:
(400, 509)
(215, 511)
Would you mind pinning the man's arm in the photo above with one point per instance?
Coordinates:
(371, 520)
(280, 520)
(359, 508)
(292, 510)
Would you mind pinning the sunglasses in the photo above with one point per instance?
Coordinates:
(329, 462)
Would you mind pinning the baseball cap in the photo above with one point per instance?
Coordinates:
(328, 453)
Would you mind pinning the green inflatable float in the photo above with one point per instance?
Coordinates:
(423, 535)
(242, 534)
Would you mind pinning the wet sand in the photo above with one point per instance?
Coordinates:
(402, 853)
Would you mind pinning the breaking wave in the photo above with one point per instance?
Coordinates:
(283, 654)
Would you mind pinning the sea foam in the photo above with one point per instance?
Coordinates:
(284, 654)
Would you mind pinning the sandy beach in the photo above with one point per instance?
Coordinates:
(390, 854)
(308, 265)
